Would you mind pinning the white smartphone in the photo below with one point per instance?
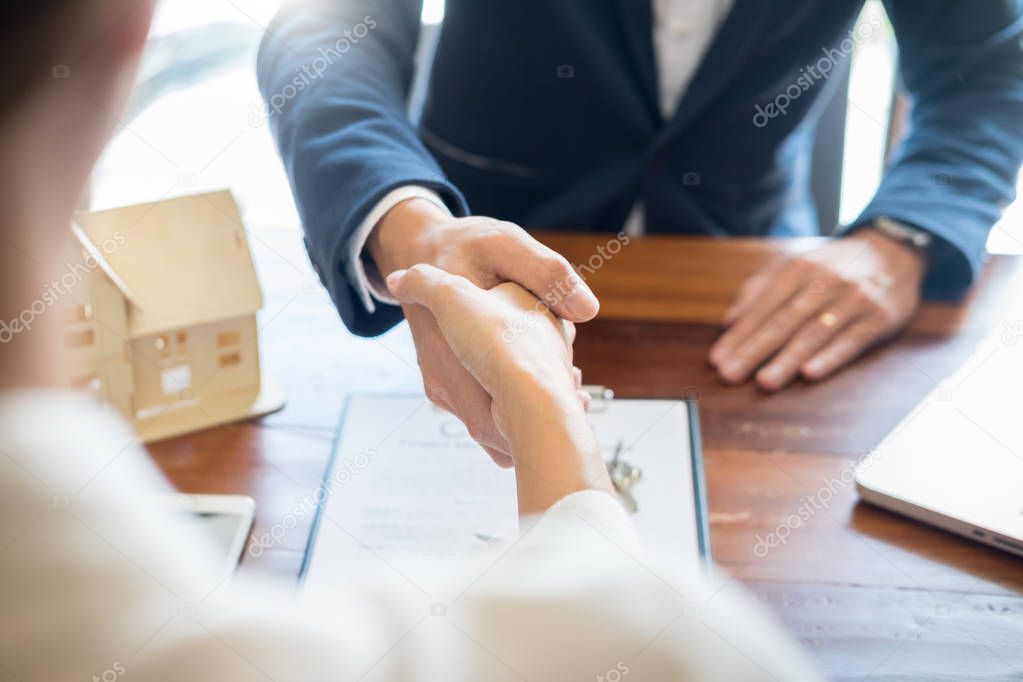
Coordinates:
(227, 519)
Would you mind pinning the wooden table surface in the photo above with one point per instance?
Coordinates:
(870, 594)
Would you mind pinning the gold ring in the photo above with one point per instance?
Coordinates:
(829, 320)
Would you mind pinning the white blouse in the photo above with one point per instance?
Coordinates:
(96, 583)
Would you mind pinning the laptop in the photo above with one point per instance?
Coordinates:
(956, 460)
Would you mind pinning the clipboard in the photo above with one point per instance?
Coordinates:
(375, 498)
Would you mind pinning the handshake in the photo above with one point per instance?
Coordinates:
(492, 312)
(483, 342)
(517, 359)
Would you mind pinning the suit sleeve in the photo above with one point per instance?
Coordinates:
(335, 77)
(962, 64)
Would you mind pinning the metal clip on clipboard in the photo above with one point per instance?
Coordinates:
(599, 396)
(624, 475)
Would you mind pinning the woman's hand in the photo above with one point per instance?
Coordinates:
(522, 356)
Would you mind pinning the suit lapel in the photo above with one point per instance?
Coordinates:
(637, 25)
(733, 41)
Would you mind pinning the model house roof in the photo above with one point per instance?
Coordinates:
(179, 262)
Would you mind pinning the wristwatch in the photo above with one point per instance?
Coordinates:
(914, 237)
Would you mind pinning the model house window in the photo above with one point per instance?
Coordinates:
(228, 339)
(230, 359)
(79, 313)
(80, 339)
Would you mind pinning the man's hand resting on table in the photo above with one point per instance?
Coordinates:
(487, 252)
(813, 314)
(520, 355)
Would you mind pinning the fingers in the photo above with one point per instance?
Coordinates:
(437, 397)
(767, 304)
(811, 337)
(506, 253)
(750, 292)
(744, 352)
(769, 291)
(516, 256)
(478, 420)
(449, 384)
(429, 286)
(472, 404)
(584, 396)
(500, 459)
(842, 350)
(585, 399)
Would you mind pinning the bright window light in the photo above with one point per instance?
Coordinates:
(871, 85)
(433, 11)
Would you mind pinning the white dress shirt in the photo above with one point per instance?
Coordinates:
(96, 583)
(682, 33)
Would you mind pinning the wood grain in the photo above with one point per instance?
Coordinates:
(662, 299)
(869, 593)
(694, 279)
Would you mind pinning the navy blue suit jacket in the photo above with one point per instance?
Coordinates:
(544, 112)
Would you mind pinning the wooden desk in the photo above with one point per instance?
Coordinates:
(870, 594)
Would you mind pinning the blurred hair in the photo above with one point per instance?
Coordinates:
(33, 36)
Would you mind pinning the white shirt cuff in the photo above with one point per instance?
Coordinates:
(600, 511)
(362, 272)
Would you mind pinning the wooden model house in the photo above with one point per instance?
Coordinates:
(163, 324)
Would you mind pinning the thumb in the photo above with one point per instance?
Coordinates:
(749, 294)
(427, 286)
(522, 259)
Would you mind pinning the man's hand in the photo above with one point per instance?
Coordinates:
(812, 315)
(487, 252)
